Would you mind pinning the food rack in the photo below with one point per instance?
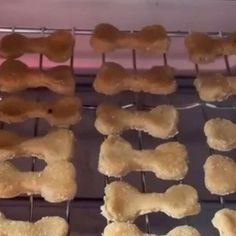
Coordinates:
(83, 213)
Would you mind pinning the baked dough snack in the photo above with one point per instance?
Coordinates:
(57, 47)
(123, 229)
(215, 87)
(56, 183)
(117, 158)
(62, 112)
(221, 134)
(55, 146)
(124, 203)
(151, 38)
(112, 78)
(47, 226)
(220, 178)
(225, 221)
(16, 76)
(160, 121)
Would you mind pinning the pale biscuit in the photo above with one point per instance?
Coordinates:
(57, 47)
(124, 203)
(160, 121)
(112, 78)
(117, 158)
(47, 226)
(56, 183)
(151, 38)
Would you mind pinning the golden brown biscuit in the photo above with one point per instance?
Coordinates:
(47, 226)
(124, 203)
(225, 221)
(117, 158)
(62, 112)
(152, 38)
(160, 121)
(220, 178)
(57, 47)
(16, 76)
(221, 134)
(112, 78)
(56, 183)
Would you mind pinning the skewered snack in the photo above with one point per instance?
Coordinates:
(151, 38)
(221, 134)
(160, 121)
(112, 78)
(215, 87)
(62, 112)
(124, 203)
(57, 47)
(16, 76)
(55, 146)
(123, 229)
(56, 183)
(117, 158)
(220, 178)
(47, 226)
(225, 221)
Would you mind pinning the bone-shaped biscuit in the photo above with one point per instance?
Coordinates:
(57, 47)
(123, 229)
(16, 76)
(124, 203)
(220, 178)
(112, 78)
(151, 38)
(221, 134)
(117, 158)
(55, 146)
(225, 221)
(215, 87)
(46, 226)
(160, 121)
(62, 112)
(56, 183)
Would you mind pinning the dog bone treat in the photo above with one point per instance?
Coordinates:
(124, 203)
(220, 178)
(221, 134)
(62, 112)
(56, 183)
(57, 47)
(123, 229)
(47, 226)
(57, 145)
(117, 158)
(159, 122)
(16, 76)
(151, 38)
(112, 78)
(225, 221)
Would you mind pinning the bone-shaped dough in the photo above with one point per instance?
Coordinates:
(47, 226)
(55, 146)
(112, 78)
(215, 87)
(57, 47)
(124, 203)
(220, 178)
(62, 112)
(221, 134)
(159, 122)
(16, 76)
(117, 158)
(123, 229)
(151, 38)
(225, 221)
